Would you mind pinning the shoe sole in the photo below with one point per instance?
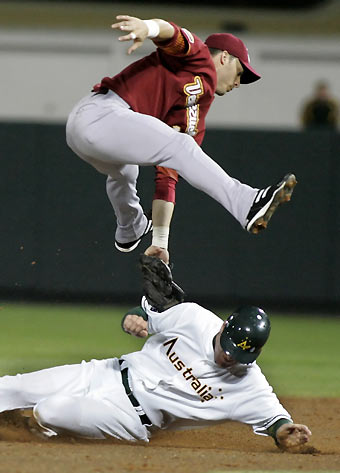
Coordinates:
(281, 195)
(134, 246)
(127, 250)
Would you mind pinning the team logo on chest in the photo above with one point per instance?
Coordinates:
(201, 390)
(193, 91)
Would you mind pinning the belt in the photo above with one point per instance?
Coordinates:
(138, 408)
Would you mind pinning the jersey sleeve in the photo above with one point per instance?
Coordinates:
(165, 184)
(182, 44)
(257, 404)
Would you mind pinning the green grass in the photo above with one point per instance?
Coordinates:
(38, 335)
(301, 357)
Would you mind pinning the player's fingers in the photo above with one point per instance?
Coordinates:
(137, 43)
(128, 37)
(130, 322)
(124, 20)
(160, 253)
(123, 26)
(301, 429)
(143, 334)
(298, 435)
(125, 17)
(305, 429)
(135, 325)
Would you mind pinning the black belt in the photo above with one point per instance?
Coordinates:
(125, 380)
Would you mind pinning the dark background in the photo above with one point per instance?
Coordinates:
(268, 4)
(57, 226)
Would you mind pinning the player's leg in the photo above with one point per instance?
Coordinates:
(121, 189)
(102, 129)
(132, 223)
(106, 128)
(102, 410)
(253, 208)
(89, 418)
(26, 390)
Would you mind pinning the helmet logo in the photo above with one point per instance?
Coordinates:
(244, 345)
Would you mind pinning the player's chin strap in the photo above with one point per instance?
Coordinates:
(159, 288)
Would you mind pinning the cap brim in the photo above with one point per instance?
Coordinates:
(242, 356)
(249, 74)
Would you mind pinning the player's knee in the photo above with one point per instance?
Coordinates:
(49, 411)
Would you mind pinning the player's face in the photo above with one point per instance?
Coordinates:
(222, 359)
(228, 75)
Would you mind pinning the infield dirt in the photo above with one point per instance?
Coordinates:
(226, 447)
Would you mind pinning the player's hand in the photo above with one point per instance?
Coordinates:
(159, 252)
(136, 325)
(292, 435)
(135, 29)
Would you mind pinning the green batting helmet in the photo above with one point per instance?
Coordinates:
(246, 331)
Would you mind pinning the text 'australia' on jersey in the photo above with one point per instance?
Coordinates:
(176, 83)
(176, 379)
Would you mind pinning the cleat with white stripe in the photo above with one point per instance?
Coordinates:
(132, 245)
(267, 201)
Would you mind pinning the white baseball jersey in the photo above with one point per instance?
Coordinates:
(178, 383)
(174, 379)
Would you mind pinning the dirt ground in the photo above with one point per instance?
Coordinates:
(226, 447)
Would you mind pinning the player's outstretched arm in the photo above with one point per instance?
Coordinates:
(292, 435)
(162, 211)
(138, 30)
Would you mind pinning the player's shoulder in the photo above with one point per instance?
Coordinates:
(185, 310)
(195, 45)
(200, 315)
(190, 37)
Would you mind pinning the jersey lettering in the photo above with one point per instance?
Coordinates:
(202, 391)
(171, 343)
(179, 365)
(193, 91)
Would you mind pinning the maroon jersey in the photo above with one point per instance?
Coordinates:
(175, 84)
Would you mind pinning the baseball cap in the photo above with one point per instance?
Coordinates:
(235, 47)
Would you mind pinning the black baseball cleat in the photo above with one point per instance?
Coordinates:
(132, 245)
(267, 201)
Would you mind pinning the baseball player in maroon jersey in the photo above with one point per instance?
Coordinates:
(153, 114)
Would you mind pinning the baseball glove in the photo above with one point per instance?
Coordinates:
(158, 286)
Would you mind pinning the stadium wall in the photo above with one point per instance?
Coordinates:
(57, 225)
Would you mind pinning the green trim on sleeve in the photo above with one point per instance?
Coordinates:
(274, 428)
(135, 311)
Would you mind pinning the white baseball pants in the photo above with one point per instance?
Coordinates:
(86, 400)
(106, 133)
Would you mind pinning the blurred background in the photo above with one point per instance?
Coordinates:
(57, 226)
(63, 286)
